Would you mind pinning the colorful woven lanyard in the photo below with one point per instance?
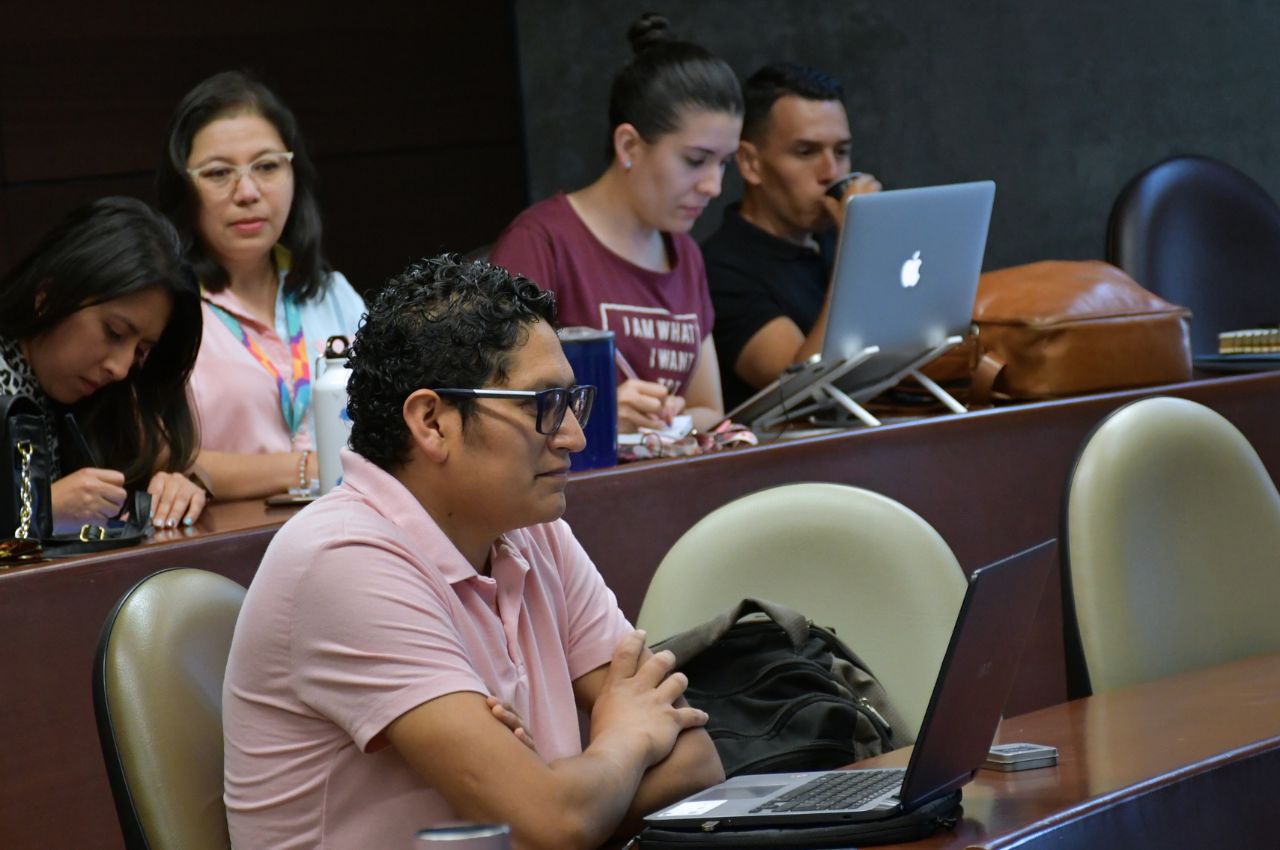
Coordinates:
(293, 406)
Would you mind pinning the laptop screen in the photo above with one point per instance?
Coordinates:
(906, 274)
(977, 672)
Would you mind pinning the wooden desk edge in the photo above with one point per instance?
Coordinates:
(1127, 794)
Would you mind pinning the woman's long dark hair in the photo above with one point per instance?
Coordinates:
(101, 251)
(665, 77)
(225, 95)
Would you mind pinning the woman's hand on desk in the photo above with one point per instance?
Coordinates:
(175, 500)
(645, 404)
(88, 495)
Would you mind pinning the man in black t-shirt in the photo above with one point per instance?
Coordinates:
(769, 263)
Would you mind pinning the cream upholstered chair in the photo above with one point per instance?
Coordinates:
(1172, 553)
(847, 558)
(157, 692)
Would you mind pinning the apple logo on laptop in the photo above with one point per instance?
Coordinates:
(910, 274)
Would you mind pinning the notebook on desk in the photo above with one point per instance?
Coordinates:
(959, 724)
(1237, 362)
(904, 281)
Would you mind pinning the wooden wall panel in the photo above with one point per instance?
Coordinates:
(448, 200)
(396, 105)
(28, 209)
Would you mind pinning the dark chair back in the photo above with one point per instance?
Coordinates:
(1199, 233)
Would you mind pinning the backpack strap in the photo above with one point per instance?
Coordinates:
(688, 644)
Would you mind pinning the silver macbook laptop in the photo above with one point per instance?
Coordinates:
(905, 278)
(959, 725)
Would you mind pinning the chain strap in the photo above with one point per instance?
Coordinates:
(25, 450)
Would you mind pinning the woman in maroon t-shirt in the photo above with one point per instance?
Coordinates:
(618, 253)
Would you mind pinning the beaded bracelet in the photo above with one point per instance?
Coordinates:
(303, 484)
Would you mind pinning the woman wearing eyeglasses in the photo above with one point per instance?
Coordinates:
(237, 182)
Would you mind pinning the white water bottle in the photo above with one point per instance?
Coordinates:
(329, 395)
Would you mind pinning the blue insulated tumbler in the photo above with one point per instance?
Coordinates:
(590, 353)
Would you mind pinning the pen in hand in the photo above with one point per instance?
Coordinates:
(86, 451)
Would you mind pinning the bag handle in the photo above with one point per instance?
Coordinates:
(983, 384)
(24, 469)
(688, 644)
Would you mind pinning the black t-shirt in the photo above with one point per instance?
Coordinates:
(756, 277)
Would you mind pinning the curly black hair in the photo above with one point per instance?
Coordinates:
(443, 322)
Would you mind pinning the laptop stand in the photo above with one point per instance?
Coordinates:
(823, 396)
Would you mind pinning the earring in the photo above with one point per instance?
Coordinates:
(626, 165)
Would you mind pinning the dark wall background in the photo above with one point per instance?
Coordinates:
(1060, 103)
(411, 111)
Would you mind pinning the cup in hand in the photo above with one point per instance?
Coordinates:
(837, 187)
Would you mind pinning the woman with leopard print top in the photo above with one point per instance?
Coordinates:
(102, 320)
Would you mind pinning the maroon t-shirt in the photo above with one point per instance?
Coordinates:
(659, 319)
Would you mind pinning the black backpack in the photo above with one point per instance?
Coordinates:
(782, 694)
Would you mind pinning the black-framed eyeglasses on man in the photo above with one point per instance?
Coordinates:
(552, 403)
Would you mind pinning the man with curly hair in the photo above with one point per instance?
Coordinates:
(416, 644)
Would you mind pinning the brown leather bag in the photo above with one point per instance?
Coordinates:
(1060, 328)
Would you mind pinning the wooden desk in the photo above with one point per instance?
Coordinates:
(990, 482)
(53, 786)
(1187, 762)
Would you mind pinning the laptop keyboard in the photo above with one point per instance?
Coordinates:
(835, 791)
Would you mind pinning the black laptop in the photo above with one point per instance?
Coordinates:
(959, 725)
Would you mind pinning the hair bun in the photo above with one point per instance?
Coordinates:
(650, 30)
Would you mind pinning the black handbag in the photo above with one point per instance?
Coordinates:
(26, 503)
(26, 510)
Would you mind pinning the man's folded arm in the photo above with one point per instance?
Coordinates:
(692, 765)
(486, 773)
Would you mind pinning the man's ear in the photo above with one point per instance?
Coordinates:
(423, 413)
(748, 159)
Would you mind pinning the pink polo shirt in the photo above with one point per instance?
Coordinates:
(361, 610)
(237, 400)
